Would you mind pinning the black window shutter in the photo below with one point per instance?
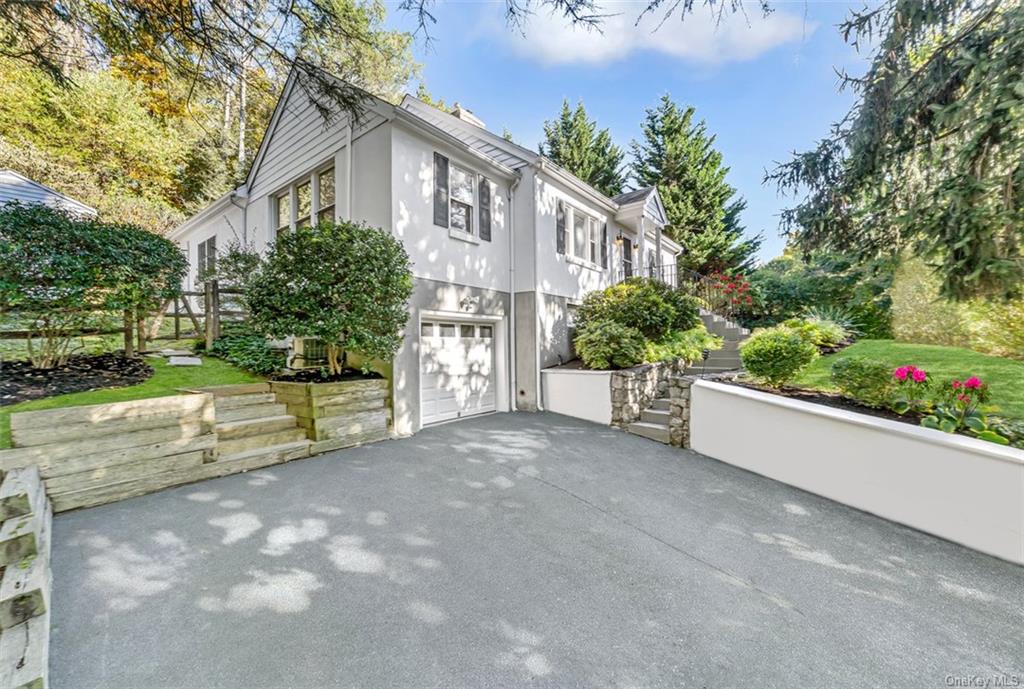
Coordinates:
(560, 228)
(201, 263)
(604, 246)
(440, 190)
(485, 209)
(211, 254)
(627, 258)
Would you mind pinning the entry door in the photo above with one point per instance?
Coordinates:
(457, 376)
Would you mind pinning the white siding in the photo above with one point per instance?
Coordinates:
(371, 191)
(226, 225)
(436, 255)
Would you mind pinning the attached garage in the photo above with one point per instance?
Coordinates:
(458, 375)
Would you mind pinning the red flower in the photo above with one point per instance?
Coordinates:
(957, 384)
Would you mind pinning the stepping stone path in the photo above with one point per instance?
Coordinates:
(184, 361)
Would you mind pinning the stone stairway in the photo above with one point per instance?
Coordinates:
(251, 424)
(653, 422)
(728, 357)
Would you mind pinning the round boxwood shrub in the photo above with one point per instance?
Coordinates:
(818, 332)
(776, 355)
(607, 344)
(869, 382)
(638, 303)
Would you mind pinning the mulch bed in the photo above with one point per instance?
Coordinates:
(829, 400)
(319, 375)
(20, 382)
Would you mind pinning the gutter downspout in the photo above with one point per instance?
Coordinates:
(245, 215)
(536, 295)
(513, 384)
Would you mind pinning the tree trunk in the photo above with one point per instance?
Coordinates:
(140, 328)
(241, 114)
(129, 337)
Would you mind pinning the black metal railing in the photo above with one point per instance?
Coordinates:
(664, 273)
(713, 294)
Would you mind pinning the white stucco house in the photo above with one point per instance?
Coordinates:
(16, 187)
(503, 242)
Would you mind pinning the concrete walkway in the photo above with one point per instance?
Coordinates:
(518, 550)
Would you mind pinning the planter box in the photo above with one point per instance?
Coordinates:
(337, 415)
(959, 488)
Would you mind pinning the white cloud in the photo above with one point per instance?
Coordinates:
(697, 38)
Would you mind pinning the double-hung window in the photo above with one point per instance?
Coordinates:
(303, 204)
(580, 235)
(460, 200)
(307, 204)
(283, 211)
(325, 183)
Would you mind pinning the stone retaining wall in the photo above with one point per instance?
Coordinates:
(634, 389)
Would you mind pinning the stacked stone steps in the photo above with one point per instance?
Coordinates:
(252, 426)
(728, 357)
(25, 584)
(654, 422)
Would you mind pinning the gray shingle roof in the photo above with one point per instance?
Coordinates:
(16, 187)
(628, 197)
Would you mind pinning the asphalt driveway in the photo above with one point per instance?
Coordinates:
(518, 550)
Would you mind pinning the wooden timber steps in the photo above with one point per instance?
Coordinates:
(25, 584)
(251, 425)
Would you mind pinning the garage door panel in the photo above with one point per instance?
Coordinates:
(457, 371)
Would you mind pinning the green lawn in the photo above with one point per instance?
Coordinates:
(166, 380)
(1004, 376)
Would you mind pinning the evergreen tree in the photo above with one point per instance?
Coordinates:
(678, 155)
(574, 142)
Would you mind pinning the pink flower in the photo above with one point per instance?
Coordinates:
(972, 383)
(957, 384)
(900, 373)
(963, 398)
(919, 375)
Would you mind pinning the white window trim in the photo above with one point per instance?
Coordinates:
(313, 179)
(593, 236)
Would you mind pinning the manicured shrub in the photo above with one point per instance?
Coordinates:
(687, 345)
(346, 284)
(686, 307)
(776, 355)
(819, 333)
(58, 272)
(607, 344)
(638, 303)
(869, 382)
(248, 350)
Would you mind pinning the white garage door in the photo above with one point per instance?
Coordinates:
(456, 370)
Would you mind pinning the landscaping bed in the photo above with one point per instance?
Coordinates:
(20, 381)
(319, 375)
(828, 399)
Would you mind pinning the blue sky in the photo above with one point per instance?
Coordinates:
(766, 87)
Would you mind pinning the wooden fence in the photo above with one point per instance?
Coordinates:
(204, 310)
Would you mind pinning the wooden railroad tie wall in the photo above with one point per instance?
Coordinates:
(337, 415)
(101, 453)
(25, 523)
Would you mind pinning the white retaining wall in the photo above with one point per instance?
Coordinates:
(959, 488)
(583, 394)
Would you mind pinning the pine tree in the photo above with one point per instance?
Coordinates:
(679, 156)
(574, 142)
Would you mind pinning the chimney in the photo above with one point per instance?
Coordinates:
(466, 115)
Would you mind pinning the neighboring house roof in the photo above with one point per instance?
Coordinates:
(17, 187)
(628, 197)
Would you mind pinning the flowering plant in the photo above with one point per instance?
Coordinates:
(959, 407)
(735, 288)
(911, 390)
